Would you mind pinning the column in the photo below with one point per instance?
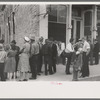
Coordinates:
(43, 25)
(94, 22)
(68, 23)
(82, 25)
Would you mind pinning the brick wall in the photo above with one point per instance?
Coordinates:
(26, 21)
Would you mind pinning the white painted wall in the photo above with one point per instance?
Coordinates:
(43, 23)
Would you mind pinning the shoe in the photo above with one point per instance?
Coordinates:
(3, 80)
(39, 74)
(25, 80)
(32, 78)
(46, 74)
(68, 73)
(51, 73)
(20, 80)
(41, 71)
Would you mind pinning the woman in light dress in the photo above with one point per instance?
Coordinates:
(23, 65)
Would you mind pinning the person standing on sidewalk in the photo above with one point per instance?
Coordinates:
(23, 65)
(54, 54)
(40, 58)
(34, 52)
(45, 51)
(96, 51)
(17, 49)
(85, 57)
(69, 53)
(10, 64)
(3, 56)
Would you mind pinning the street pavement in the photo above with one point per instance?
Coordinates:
(61, 76)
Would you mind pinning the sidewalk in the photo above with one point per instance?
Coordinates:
(61, 76)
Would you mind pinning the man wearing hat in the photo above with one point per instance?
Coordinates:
(69, 53)
(34, 52)
(40, 43)
(3, 56)
(85, 57)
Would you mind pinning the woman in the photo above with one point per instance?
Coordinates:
(23, 65)
(10, 64)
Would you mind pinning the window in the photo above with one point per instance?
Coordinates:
(57, 13)
(61, 17)
(88, 19)
(53, 13)
(87, 23)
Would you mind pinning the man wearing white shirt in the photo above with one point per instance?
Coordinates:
(69, 52)
(86, 51)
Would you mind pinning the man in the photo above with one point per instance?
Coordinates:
(50, 56)
(3, 56)
(34, 52)
(17, 49)
(45, 52)
(69, 53)
(85, 57)
(54, 55)
(96, 51)
(40, 54)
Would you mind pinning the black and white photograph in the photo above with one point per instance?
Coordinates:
(49, 42)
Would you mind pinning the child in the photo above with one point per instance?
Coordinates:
(78, 62)
(3, 56)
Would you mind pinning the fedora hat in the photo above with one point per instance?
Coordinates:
(26, 39)
(13, 41)
(32, 37)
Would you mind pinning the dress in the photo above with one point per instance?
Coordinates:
(10, 64)
(23, 65)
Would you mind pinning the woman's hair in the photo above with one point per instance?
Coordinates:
(7, 47)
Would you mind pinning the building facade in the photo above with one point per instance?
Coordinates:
(58, 21)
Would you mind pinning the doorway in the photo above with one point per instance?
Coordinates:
(76, 26)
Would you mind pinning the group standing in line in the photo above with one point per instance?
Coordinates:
(34, 54)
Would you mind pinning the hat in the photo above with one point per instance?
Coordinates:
(26, 39)
(1, 47)
(95, 40)
(80, 39)
(32, 37)
(13, 41)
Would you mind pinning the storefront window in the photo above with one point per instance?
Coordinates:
(53, 13)
(61, 15)
(57, 13)
(87, 23)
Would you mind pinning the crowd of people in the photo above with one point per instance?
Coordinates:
(79, 54)
(27, 60)
(18, 63)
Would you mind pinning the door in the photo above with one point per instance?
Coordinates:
(76, 25)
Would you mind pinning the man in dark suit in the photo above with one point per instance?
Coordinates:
(96, 51)
(54, 56)
(40, 57)
(45, 52)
